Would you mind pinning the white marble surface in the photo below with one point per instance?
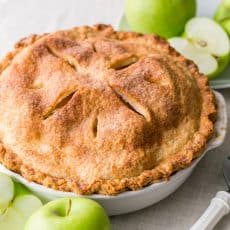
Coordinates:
(18, 18)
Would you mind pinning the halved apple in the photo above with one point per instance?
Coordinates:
(206, 43)
(16, 215)
(16, 204)
(208, 36)
(11, 220)
(26, 205)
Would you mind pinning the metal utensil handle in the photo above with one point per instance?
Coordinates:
(218, 208)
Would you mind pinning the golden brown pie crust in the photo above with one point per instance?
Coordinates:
(92, 110)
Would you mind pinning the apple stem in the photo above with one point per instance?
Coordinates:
(2, 211)
(69, 207)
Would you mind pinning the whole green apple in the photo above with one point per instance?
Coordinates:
(222, 15)
(163, 17)
(69, 214)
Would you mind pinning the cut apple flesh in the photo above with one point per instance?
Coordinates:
(206, 63)
(207, 36)
(16, 205)
(26, 205)
(11, 220)
(179, 43)
(6, 191)
(16, 215)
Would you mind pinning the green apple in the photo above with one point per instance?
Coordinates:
(226, 3)
(163, 17)
(222, 15)
(26, 205)
(16, 215)
(208, 36)
(17, 204)
(206, 43)
(69, 214)
(6, 192)
(20, 189)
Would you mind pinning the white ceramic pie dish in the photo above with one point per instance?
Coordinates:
(134, 200)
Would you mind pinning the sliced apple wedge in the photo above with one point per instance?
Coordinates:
(16, 204)
(17, 213)
(26, 205)
(206, 63)
(6, 191)
(11, 220)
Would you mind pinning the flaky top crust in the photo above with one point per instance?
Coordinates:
(92, 110)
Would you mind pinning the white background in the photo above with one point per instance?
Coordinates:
(19, 18)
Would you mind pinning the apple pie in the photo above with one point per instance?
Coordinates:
(92, 110)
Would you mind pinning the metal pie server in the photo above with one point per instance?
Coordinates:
(219, 205)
